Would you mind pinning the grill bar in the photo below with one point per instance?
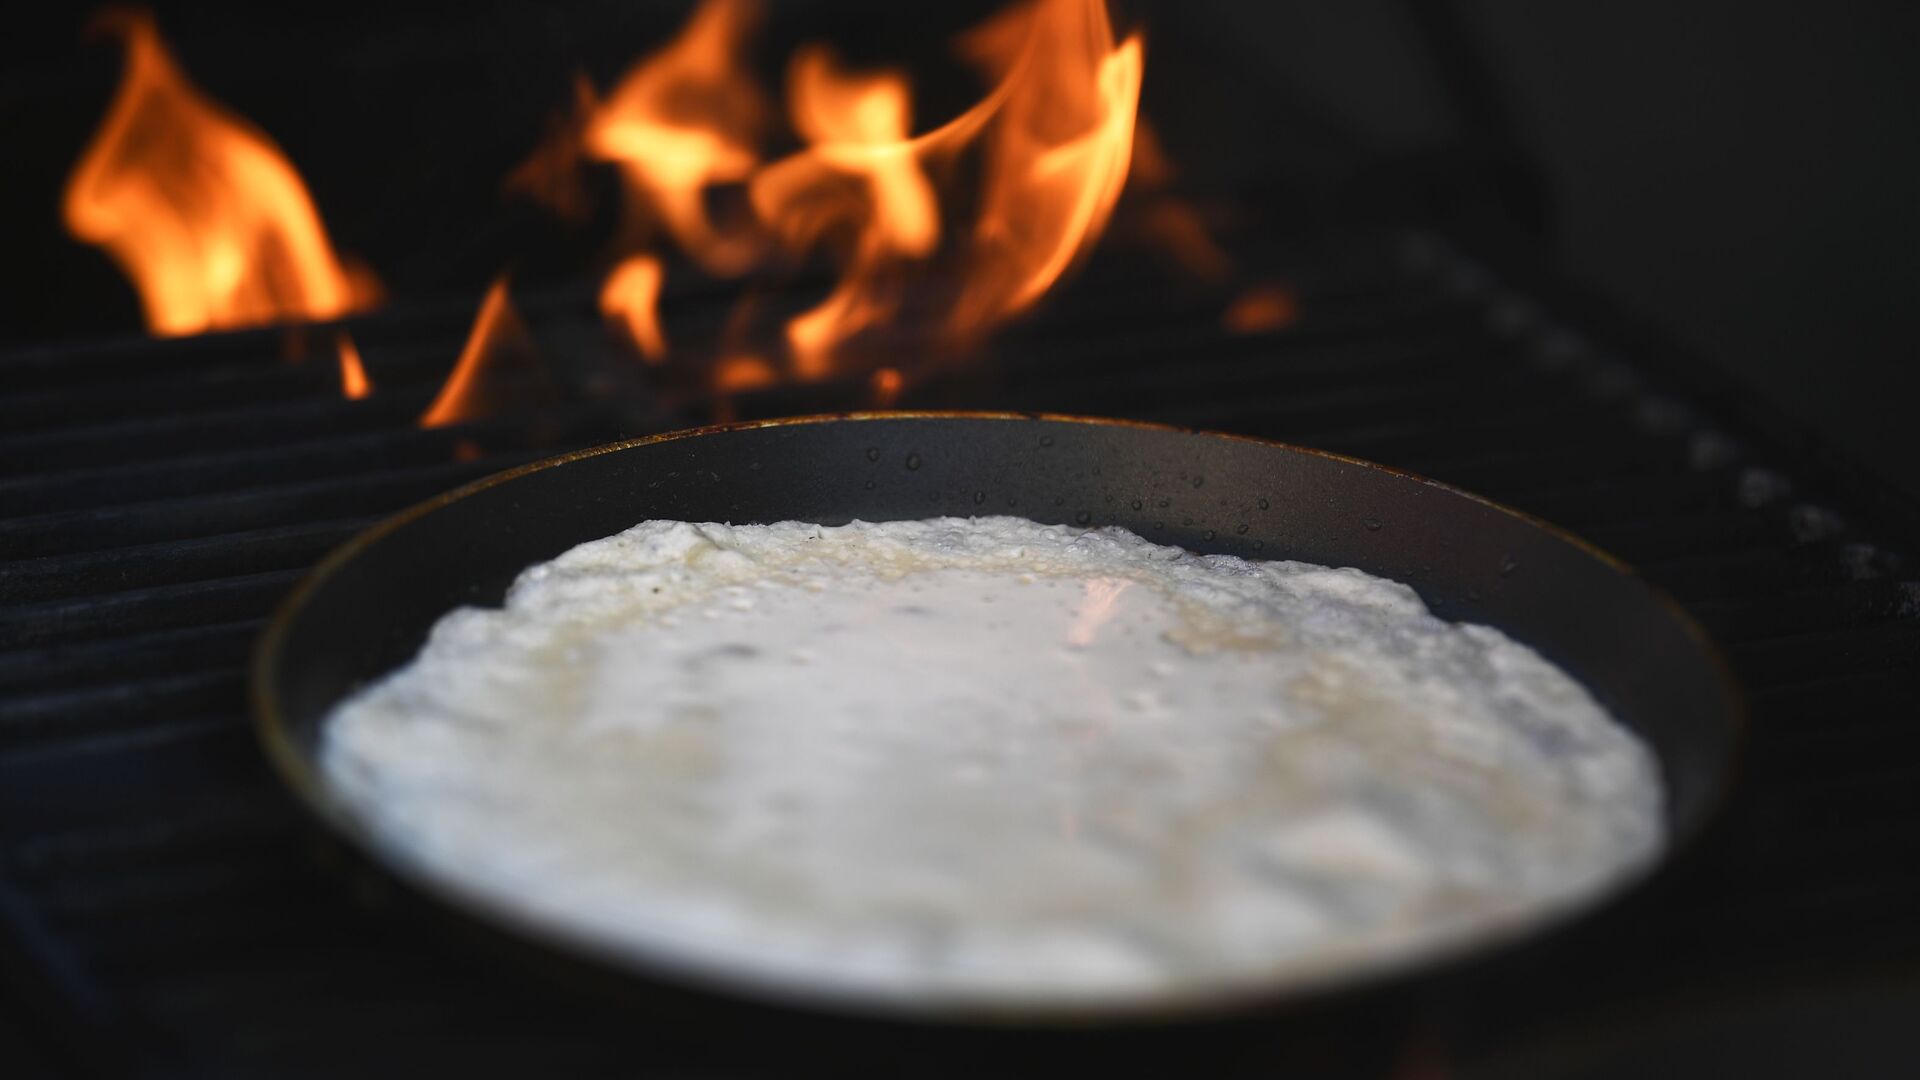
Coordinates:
(52, 535)
(131, 657)
(93, 573)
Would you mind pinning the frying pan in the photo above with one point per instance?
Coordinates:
(367, 609)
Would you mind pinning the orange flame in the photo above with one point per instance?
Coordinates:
(631, 296)
(497, 335)
(861, 172)
(685, 119)
(1261, 308)
(1172, 223)
(354, 383)
(887, 384)
(199, 207)
(1057, 153)
(737, 373)
(1177, 228)
(1057, 131)
(550, 175)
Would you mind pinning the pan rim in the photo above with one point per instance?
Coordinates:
(296, 772)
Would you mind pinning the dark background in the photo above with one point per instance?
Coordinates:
(1741, 174)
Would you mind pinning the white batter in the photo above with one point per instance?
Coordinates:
(988, 761)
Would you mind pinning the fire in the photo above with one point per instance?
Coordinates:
(860, 124)
(498, 336)
(685, 119)
(1055, 133)
(862, 173)
(1057, 153)
(354, 383)
(1169, 222)
(199, 207)
(737, 373)
(1051, 139)
(1261, 308)
(962, 226)
(631, 297)
(887, 385)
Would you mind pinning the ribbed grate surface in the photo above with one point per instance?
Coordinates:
(157, 893)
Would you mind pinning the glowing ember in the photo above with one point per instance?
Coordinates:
(631, 297)
(1262, 308)
(199, 207)
(685, 119)
(886, 387)
(354, 383)
(551, 174)
(1176, 227)
(498, 337)
(859, 123)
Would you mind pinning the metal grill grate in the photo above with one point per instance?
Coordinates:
(158, 900)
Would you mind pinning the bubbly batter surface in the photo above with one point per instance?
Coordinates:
(988, 760)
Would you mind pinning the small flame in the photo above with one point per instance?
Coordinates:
(860, 123)
(631, 297)
(551, 175)
(1177, 228)
(682, 120)
(1169, 222)
(199, 207)
(1262, 308)
(887, 384)
(736, 373)
(497, 334)
(354, 384)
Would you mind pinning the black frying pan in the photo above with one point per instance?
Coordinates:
(368, 606)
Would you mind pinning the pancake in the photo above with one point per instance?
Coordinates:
(986, 761)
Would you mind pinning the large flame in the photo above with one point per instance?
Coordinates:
(1261, 308)
(199, 207)
(685, 119)
(863, 175)
(1057, 153)
(1055, 134)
